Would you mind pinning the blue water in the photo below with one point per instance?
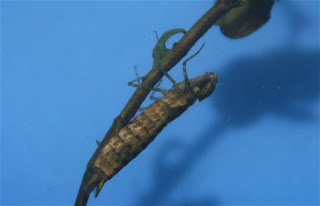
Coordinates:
(64, 73)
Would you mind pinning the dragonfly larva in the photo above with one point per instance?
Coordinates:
(141, 131)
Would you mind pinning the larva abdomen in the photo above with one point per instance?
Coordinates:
(132, 139)
(140, 132)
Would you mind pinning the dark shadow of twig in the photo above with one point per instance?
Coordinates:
(282, 83)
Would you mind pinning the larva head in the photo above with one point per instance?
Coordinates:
(204, 85)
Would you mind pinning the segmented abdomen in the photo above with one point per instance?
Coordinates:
(135, 136)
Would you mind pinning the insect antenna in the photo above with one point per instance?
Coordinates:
(186, 79)
(137, 79)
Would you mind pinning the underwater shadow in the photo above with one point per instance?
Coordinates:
(284, 83)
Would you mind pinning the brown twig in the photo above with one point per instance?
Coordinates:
(92, 177)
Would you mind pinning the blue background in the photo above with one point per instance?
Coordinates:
(64, 73)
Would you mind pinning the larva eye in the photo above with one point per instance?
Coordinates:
(196, 90)
(206, 91)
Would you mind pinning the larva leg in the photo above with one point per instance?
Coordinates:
(152, 97)
(168, 76)
(136, 72)
(185, 65)
(132, 84)
(152, 89)
(138, 79)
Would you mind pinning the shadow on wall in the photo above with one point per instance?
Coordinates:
(283, 83)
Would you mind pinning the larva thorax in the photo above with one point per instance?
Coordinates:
(136, 135)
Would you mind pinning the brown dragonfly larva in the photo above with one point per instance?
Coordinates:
(141, 131)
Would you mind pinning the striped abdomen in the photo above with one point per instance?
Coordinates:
(135, 136)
